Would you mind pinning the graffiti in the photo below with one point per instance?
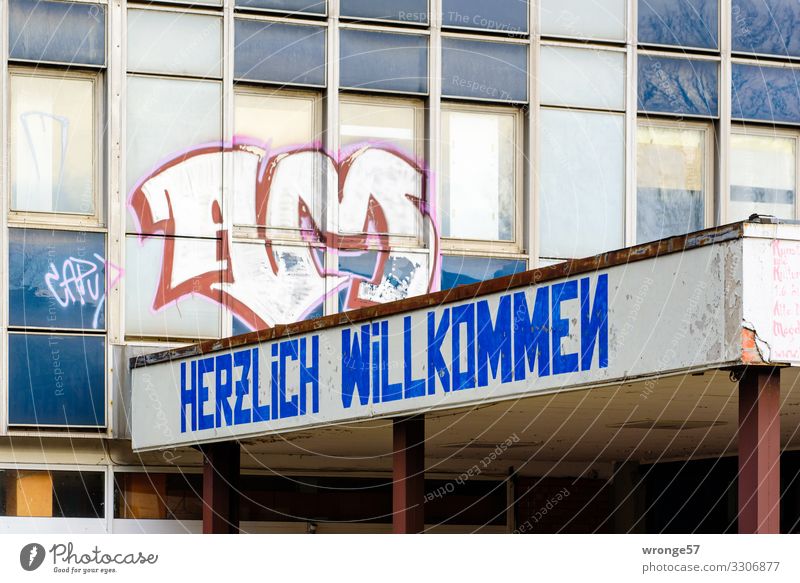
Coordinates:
(381, 195)
(79, 282)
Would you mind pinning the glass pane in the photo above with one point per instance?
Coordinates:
(458, 270)
(56, 380)
(582, 182)
(765, 93)
(377, 279)
(57, 279)
(52, 134)
(509, 16)
(192, 41)
(174, 131)
(281, 53)
(484, 70)
(762, 176)
(688, 23)
(43, 493)
(582, 78)
(478, 176)
(60, 32)
(401, 10)
(671, 182)
(377, 60)
(591, 19)
(770, 27)
(307, 6)
(381, 142)
(172, 288)
(158, 496)
(279, 124)
(679, 86)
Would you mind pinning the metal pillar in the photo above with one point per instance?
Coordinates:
(759, 450)
(408, 475)
(221, 488)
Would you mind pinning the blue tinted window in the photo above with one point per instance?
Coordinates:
(281, 53)
(307, 6)
(402, 10)
(377, 60)
(458, 270)
(680, 86)
(371, 283)
(687, 23)
(484, 70)
(56, 380)
(61, 32)
(56, 279)
(506, 15)
(766, 26)
(765, 93)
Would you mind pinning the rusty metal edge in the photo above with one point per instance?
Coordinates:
(569, 268)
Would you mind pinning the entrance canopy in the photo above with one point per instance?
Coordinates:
(631, 322)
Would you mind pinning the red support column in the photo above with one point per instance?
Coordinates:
(221, 488)
(759, 450)
(408, 475)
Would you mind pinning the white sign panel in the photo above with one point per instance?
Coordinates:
(650, 317)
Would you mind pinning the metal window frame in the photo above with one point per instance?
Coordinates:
(54, 219)
(514, 246)
(708, 179)
(746, 128)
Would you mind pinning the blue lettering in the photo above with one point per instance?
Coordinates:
(205, 365)
(355, 367)
(463, 315)
(224, 364)
(594, 322)
(413, 387)
(188, 396)
(309, 375)
(389, 391)
(562, 292)
(532, 334)
(494, 342)
(288, 407)
(241, 415)
(437, 368)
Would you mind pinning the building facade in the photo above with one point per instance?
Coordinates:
(185, 171)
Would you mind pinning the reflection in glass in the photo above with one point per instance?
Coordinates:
(765, 93)
(379, 60)
(770, 27)
(582, 183)
(762, 176)
(680, 86)
(686, 23)
(52, 144)
(478, 175)
(488, 71)
(193, 43)
(670, 182)
(461, 270)
(57, 494)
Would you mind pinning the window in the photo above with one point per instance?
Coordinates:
(488, 71)
(151, 495)
(279, 123)
(763, 173)
(508, 16)
(581, 77)
(462, 270)
(678, 86)
(673, 192)
(583, 19)
(384, 140)
(383, 61)
(481, 177)
(685, 23)
(407, 11)
(765, 93)
(304, 6)
(768, 27)
(53, 138)
(52, 493)
(582, 183)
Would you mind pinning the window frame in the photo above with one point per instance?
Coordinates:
(420, 107)
(764, 129)
(513, 248)
(707, 128)
(54, 219)
(243, 232)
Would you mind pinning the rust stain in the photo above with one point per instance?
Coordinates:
(568, 268)
(750, 352)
